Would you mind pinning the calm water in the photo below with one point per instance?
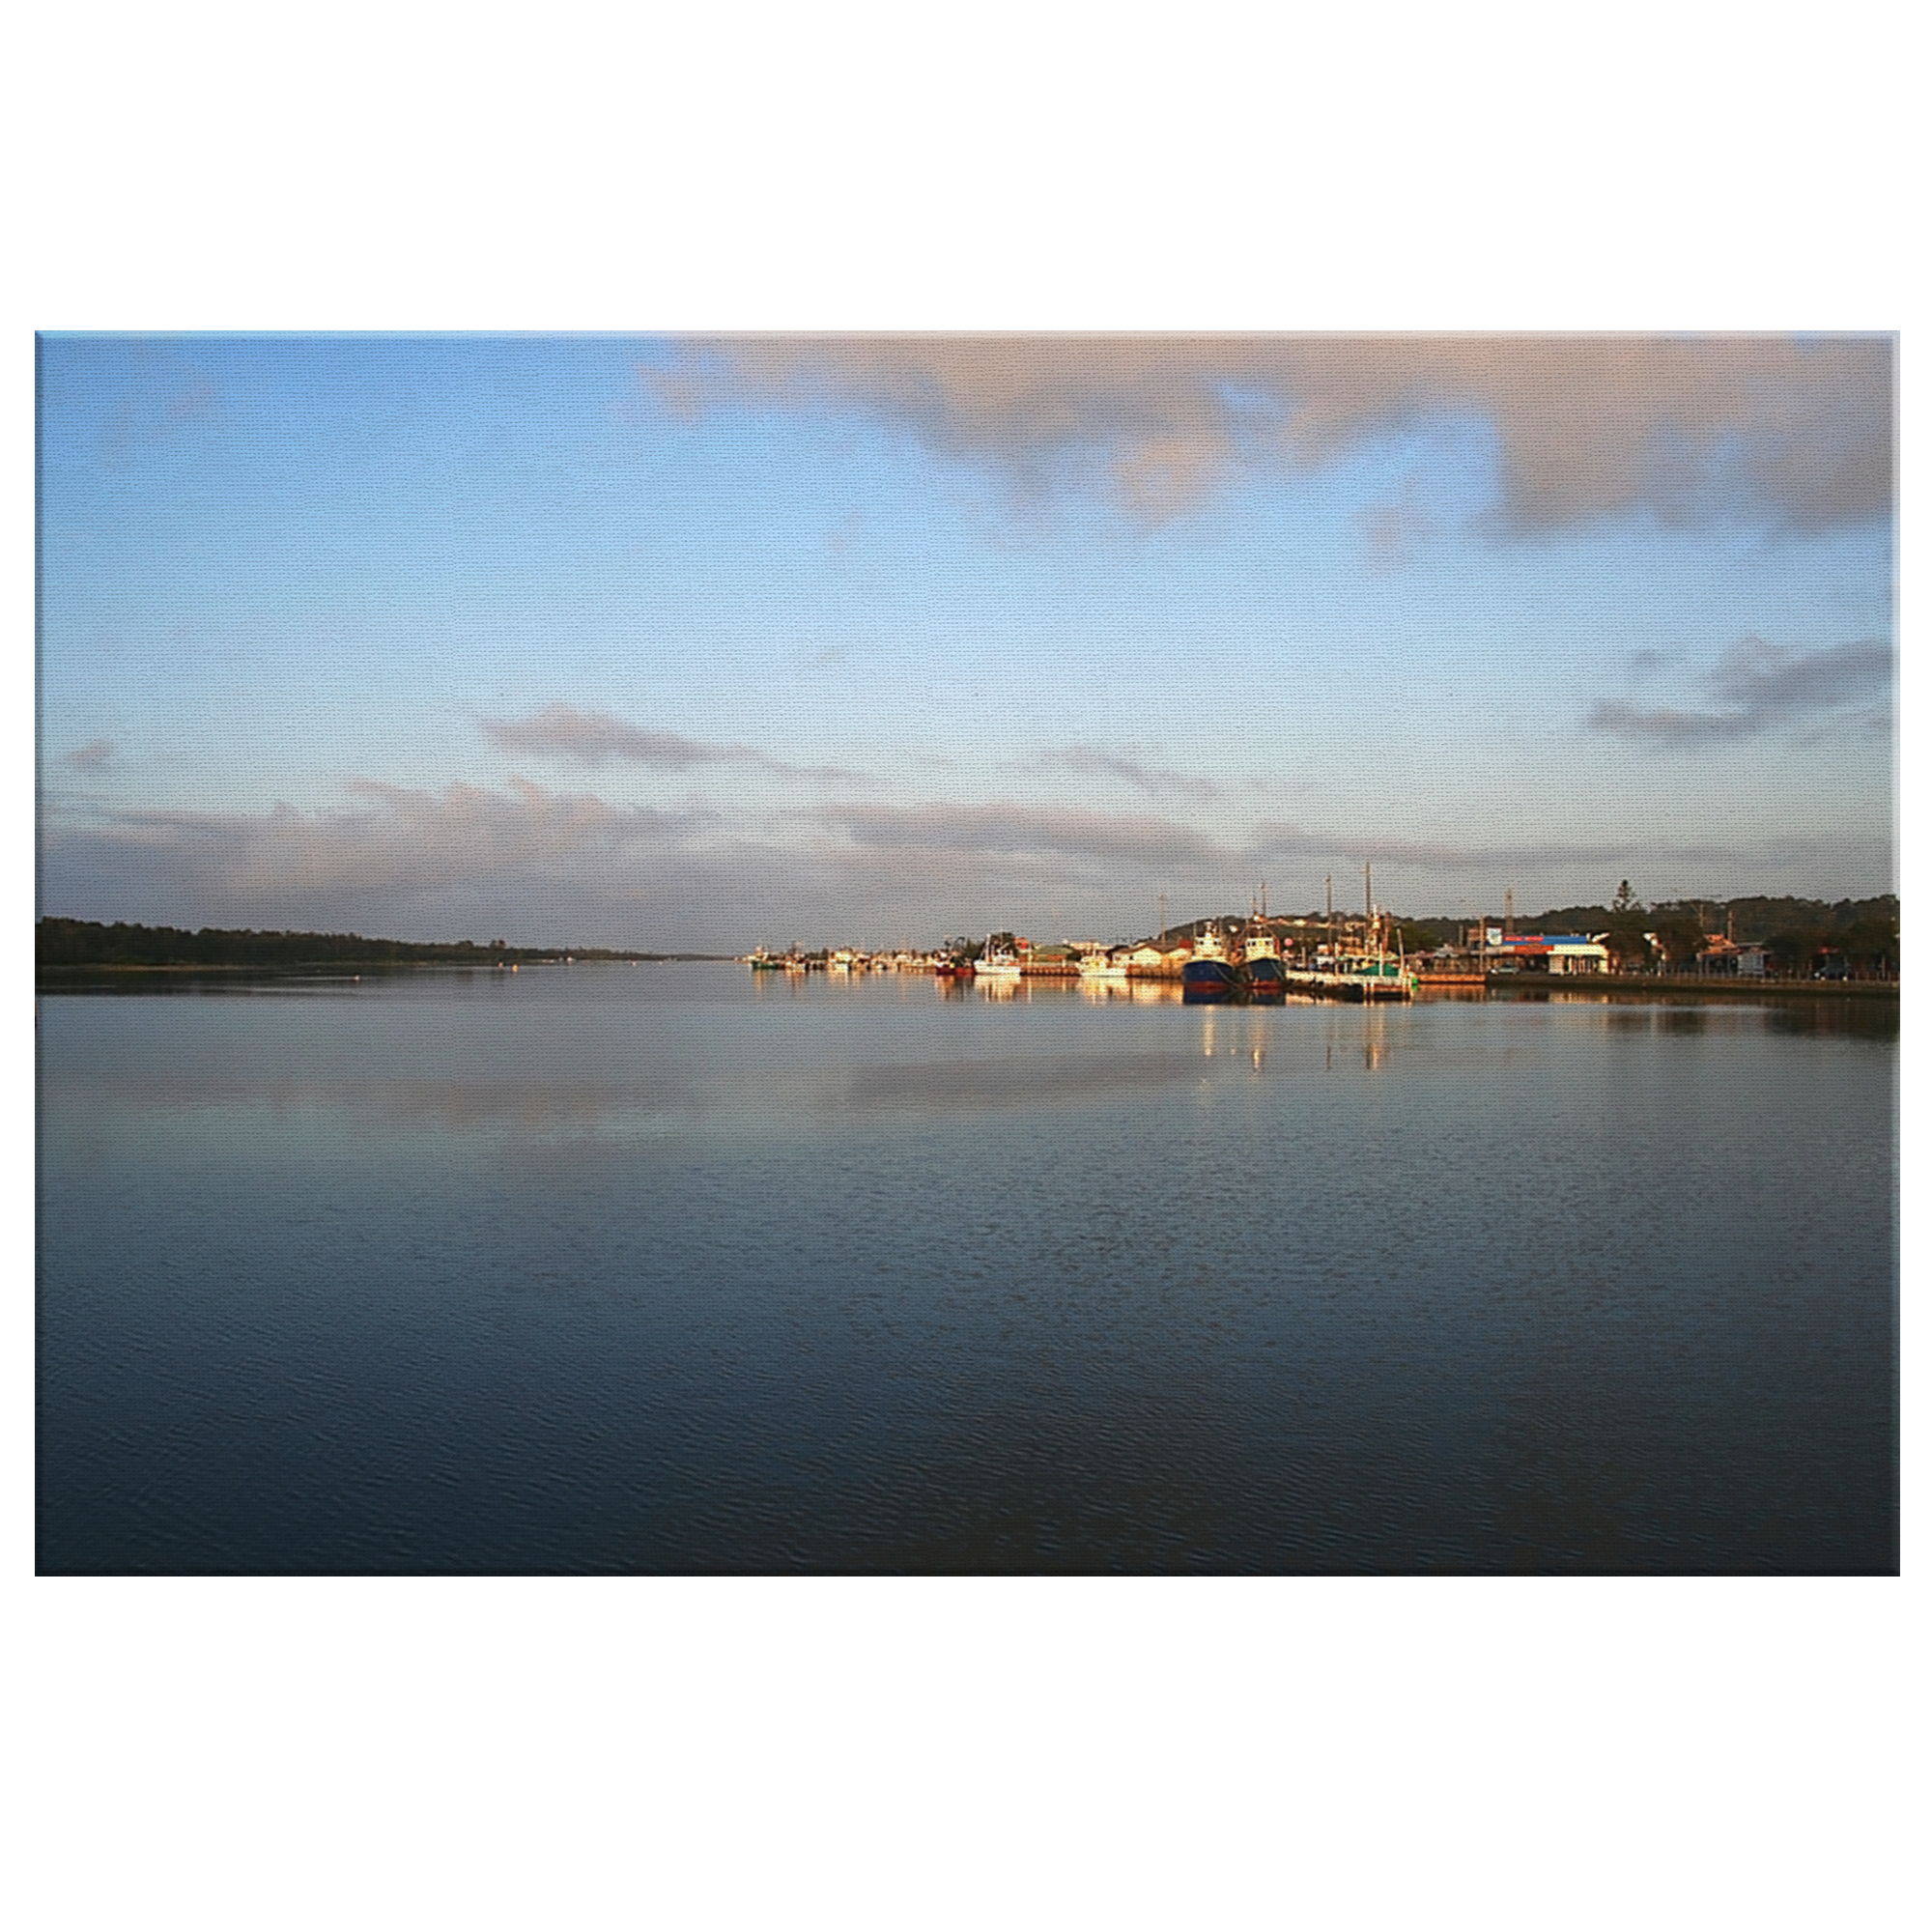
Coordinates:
(663, 1267)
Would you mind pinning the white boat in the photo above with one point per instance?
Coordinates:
(1103, 967)
(997, 962)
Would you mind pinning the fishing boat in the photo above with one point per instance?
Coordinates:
(1101, 966)
(997, 960)
(1210, 975)
(1262, 962)
(1379, 977)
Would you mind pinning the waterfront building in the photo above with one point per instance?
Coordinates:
(1549, 953)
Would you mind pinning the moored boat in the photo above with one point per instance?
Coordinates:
(997, 959)
(1210, 975)
(1261, 959)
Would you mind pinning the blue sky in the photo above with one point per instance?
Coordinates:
(702, 644)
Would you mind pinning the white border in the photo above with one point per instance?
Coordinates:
(972, 1753)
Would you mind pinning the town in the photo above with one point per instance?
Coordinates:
(1376, 956)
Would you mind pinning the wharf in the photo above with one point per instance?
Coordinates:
(1646, 985)
(1359, 986)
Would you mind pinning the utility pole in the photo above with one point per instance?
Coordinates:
(1163, 917)
(1509, 911)
(1329, 887)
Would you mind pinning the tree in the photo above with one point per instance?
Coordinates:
(1680, 938)
(1625, 900)
(1870, 945)
(1797, 948)
(1628, 948)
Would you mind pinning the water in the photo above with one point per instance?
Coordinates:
(669, 1268)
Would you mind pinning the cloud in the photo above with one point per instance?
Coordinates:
(1272, 839)
(155, 413)
(1139, 845)
(1395, 533)
(1692, 429)
(392, 850)
(1060, 831)
(92, 757)
(1131, 767)
(1757, 688)
(597, 738)
(544, 866)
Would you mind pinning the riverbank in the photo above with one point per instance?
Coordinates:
(1644, 986)
(131, 976)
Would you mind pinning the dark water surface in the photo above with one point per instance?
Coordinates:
(665, 1268)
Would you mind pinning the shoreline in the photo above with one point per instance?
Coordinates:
(1645, 987)
(1504, 985)
(51, 978)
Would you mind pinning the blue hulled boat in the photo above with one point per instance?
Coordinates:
(1262, 962)
(1210, 975)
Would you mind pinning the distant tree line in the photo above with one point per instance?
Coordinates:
(60, 943)
(1799, 935)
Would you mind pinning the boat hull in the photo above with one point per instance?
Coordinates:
(1205, 979)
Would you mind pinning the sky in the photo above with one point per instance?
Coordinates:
(706, 643)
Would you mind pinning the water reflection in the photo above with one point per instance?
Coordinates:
(957, 1085)
(902, 1285)
(533, 1104)
(1839, 1019)
(1834, 1020)
(1682, 1020)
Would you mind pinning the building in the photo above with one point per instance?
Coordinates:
(1566, 954)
